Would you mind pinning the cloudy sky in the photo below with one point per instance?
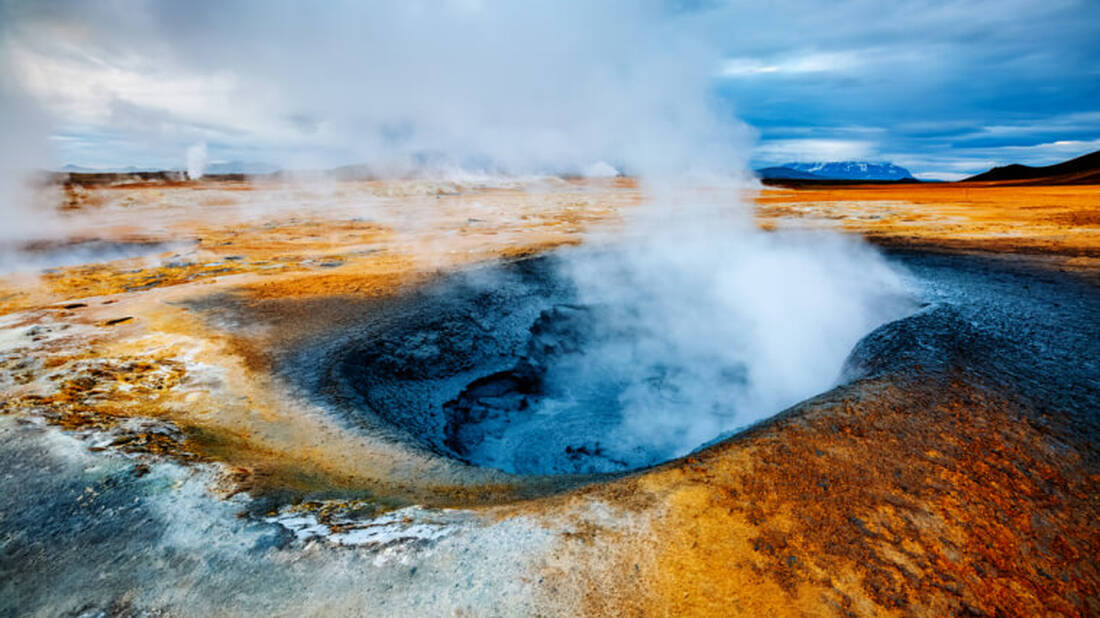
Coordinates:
(944, 88)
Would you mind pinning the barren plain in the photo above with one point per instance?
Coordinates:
(160, 456)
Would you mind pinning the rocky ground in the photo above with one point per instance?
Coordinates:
(173, 441)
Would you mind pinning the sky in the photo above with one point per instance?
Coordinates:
(945, 89)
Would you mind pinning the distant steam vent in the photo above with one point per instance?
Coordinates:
(196, 161)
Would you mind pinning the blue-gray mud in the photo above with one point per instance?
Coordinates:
(495, 368)
(87, 533)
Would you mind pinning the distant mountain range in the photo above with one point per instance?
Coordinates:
(785, 173)
(1080, 171)
(837, 170)
(79, 169)
(216, 168)
(240, 167)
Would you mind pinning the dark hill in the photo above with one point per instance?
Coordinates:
(1082, 170)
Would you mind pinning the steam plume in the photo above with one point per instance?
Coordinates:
(493, 86)
(506, 87)
(196, 161)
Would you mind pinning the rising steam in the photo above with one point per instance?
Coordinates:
(495, 86)
(733, 324)
(196, 161)
(729, 324)
(24, 128)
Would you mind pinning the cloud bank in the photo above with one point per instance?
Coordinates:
(495, 85)
(934, 85)
(943, 87)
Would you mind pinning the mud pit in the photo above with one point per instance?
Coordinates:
(505, 367)
(482, 368)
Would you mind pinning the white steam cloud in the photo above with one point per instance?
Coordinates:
(24, 151)
(496, 86)
(732, 324)
(196, 161)
(600, 169)
(729, 324)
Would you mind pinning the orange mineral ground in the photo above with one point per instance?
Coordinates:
(148, 328)
(1060, 221)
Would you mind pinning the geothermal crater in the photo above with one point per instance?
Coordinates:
(504, 367)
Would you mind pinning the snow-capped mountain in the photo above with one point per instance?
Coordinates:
(851, 170)
(785, 173)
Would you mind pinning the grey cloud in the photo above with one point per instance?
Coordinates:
(542, 84)
(932, 73)
(521, 85)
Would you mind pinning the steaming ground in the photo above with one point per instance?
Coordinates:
(97, 532)
(722, 326)
(233, 427)
(273, 415)
(589, 361)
